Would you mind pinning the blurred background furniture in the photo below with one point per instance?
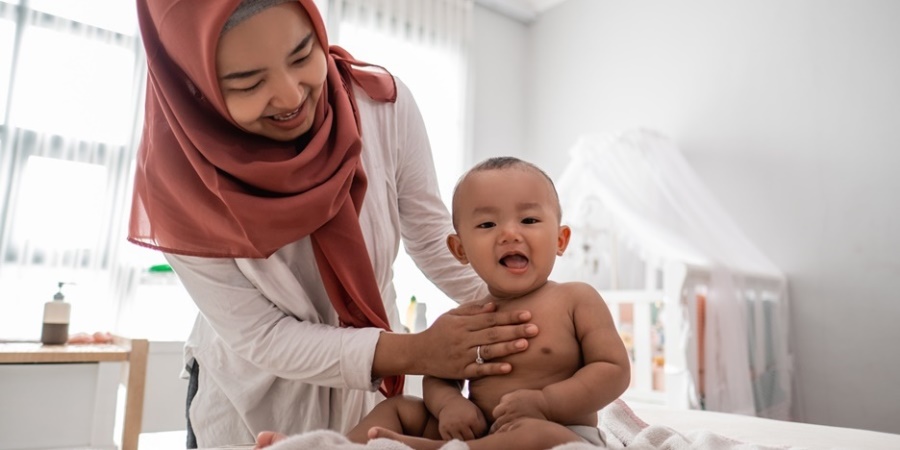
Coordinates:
(66, 395)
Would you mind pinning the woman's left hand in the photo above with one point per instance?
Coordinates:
(450, 347)
(453, 343)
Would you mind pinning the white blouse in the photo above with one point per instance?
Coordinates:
(271, 354)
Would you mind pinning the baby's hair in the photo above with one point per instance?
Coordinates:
(506, 162)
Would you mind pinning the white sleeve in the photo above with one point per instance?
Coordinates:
(255, 329)
(424, 220)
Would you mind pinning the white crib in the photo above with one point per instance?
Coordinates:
(698, 304)
(665, 327)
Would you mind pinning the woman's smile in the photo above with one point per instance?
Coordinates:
(291, 119)
(287, 116)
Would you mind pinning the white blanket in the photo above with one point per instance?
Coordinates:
(621, 426)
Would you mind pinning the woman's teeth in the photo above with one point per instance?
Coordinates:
(288, 116)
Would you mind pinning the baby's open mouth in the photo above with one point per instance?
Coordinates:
(514, 261)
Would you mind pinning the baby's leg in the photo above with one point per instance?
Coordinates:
(525, 434)
(528, 434)
(402, 414)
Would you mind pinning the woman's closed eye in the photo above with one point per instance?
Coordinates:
(249, 88)
(305, 46)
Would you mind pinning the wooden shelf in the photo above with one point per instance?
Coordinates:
(35, 352)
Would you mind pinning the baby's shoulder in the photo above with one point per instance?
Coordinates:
(577, 292)
(575, 287)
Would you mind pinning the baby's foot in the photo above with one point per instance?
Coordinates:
(267, 438)
(417, 443)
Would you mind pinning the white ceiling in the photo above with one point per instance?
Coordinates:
(522, 10)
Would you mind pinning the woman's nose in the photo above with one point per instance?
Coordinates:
(286, 93)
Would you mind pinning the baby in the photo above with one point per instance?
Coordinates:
(506, 215)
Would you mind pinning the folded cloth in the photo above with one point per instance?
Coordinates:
(330, 440)
(622, 427)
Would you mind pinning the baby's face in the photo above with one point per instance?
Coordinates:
(508, 228)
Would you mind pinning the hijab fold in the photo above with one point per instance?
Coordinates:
(203, 187)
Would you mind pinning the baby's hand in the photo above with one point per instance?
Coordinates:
(519, 404)
(461, 419)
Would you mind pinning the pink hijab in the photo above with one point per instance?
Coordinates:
(204, 187)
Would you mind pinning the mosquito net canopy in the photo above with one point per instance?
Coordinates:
(634, 205)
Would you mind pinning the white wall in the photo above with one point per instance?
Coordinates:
(788, 112)
(500, 80)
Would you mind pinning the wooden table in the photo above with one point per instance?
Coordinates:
(132, 352)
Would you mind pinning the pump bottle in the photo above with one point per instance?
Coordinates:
(415, 316)
(411, 315)
(56, 319)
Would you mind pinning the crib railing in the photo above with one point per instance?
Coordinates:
(638, 315)
(663, 332)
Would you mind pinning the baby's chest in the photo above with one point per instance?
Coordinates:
(556, 343)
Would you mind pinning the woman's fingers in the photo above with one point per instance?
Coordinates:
(490, 351)
(492, 320)
(451, 345)
(499, 341)
(479, 317)
(501, 349)
(472, 308)
(476, 370)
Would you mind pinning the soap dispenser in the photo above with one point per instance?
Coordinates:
(415, 316)
(56, 319)
(411, 315)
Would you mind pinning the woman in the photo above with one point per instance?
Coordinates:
(278, 174)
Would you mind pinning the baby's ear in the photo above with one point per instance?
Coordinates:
(454, 243)
(562, 240)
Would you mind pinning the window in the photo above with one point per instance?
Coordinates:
(72, 78)
(69, 100)
(415, 41)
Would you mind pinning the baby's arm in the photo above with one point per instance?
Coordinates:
(458, 417)
(603, 378)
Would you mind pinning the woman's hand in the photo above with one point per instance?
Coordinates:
(450, 346)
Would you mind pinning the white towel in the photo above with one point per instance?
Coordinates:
(622, 427)
(330, 440)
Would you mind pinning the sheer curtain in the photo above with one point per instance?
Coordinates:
(426, 44)
(70, 93)
(72, 78)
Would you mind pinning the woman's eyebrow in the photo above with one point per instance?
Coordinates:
(249, 73)
(303, 43)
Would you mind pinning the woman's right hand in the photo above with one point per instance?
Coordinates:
(450, 346)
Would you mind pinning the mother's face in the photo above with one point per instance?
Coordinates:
(271, 70)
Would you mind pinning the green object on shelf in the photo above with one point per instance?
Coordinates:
(160, 268)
